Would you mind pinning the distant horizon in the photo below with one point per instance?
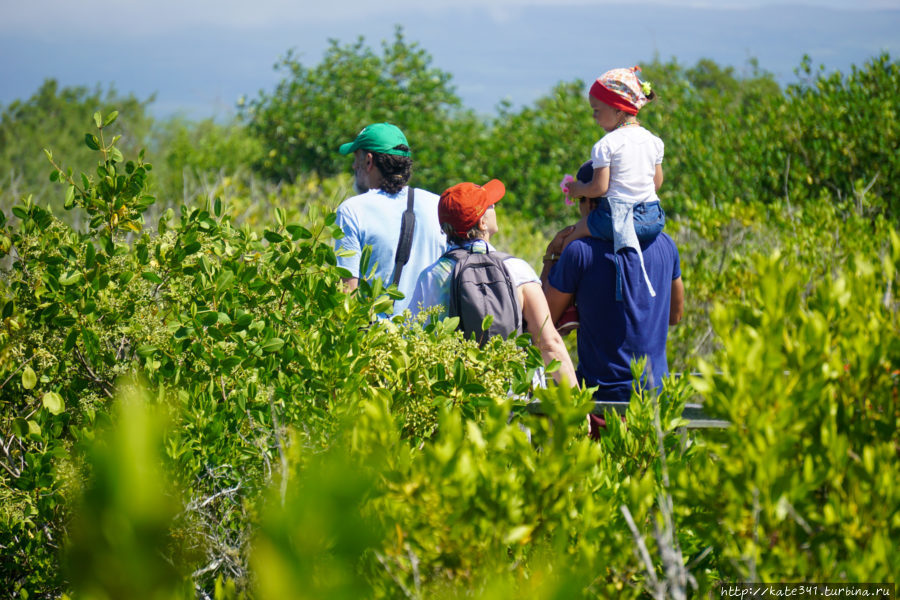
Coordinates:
(494, 51)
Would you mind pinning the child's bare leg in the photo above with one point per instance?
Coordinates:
(581, 231)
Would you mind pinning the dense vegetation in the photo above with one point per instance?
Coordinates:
(191, 406)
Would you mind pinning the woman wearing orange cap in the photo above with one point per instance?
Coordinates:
(467, 216)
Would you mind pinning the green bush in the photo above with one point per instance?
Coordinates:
(236, 333)
(281, 442)
(59, 114)
(314, 110)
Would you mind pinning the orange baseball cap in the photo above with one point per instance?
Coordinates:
(464, 203)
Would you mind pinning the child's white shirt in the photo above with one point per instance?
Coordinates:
(631, 153)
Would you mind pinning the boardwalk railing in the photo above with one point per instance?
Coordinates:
(693, 413)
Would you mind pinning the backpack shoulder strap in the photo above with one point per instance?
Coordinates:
(407, 228)
(501, 259)
(456, 254)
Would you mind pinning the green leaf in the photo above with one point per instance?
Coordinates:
(71, 278)
(299, 232)
(29, 379)
(151, 277)
(224, 281)
(98, 119)
(108, 245)
(53, 402)
(217, 207)
(66, 321)
(110, 118)
(91, 141)
(70, 340)
(20, 427)
(518, 535)
(146, 350)
(273, 345)
(208, 317)
(273, 237)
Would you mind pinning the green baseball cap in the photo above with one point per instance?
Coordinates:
(379, 137)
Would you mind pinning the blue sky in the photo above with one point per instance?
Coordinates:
(200, 56)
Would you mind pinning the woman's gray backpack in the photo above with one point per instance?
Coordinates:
(480, 285)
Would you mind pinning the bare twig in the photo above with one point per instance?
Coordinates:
(104, 385)
(886, 300)
(280, 445)
(387, 567)
(414, 565)
(699, 558)
(787, 172)
(641, 546)
(120, 353)
(160, 284)
(860, 196)
(703, 339)
(9, 468)
(756, 511)
(194, 506)
(222, 387)
(796, 516)
(212, 566)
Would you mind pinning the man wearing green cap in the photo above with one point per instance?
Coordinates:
(382, 165)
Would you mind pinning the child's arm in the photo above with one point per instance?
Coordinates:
(658, 177)
(597, 187)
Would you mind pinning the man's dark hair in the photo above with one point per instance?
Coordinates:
(395, 170)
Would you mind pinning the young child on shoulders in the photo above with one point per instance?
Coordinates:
(627, 168)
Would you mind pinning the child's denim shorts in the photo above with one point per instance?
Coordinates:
(649, 220)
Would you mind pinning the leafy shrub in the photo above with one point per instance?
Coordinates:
(194, 151)
(238, 335)
(286, 441)
(314, 110)
(803, 484)
(59, 114)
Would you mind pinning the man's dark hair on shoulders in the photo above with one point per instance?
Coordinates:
(395, 169)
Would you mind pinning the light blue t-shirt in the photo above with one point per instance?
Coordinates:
(373, 219)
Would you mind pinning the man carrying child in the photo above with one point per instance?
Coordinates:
(612, 333)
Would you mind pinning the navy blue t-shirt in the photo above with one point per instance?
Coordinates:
(610, 333)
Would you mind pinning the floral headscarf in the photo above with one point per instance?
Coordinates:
(622, 89)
